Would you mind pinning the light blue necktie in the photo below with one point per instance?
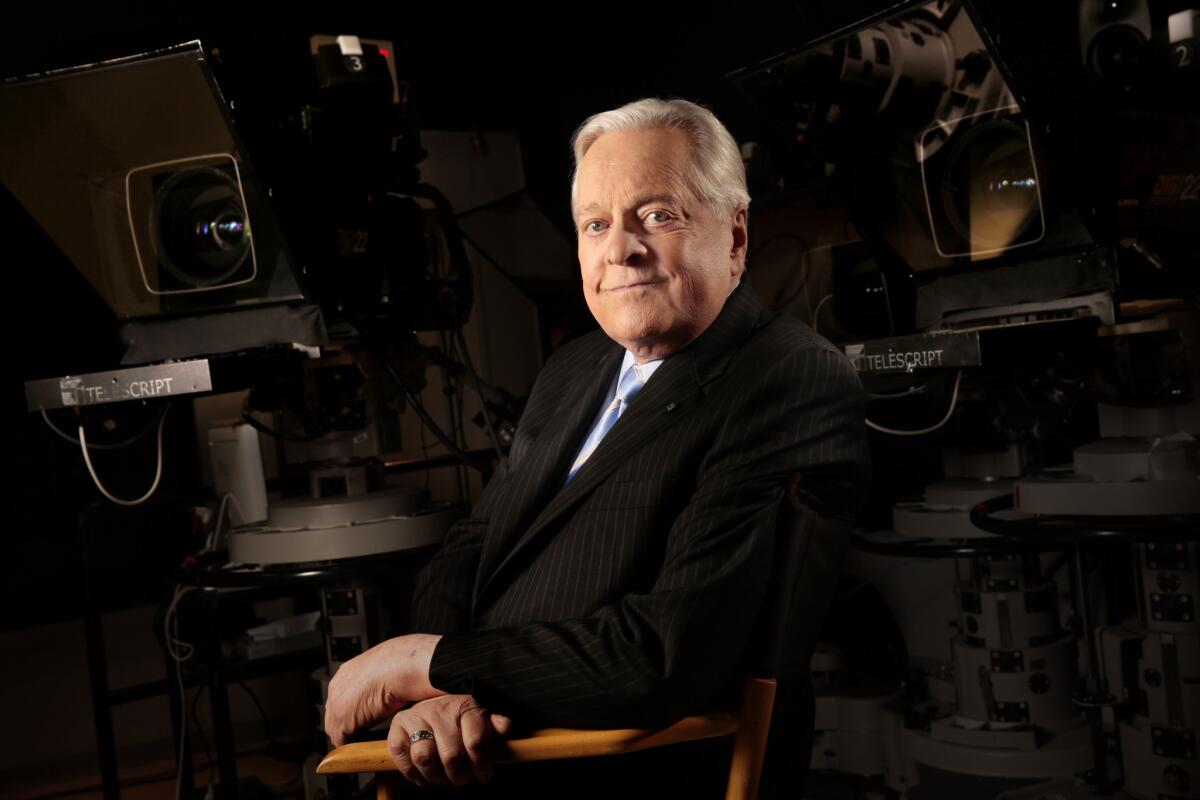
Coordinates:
(627, 389)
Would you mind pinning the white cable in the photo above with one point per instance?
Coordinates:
(54, 428)
(215, 532)
(182, 730)
(817, 314)
(176, 649)
(114, 446)
(179, 652)
(214, 537)
(931, 428)
(157, 473)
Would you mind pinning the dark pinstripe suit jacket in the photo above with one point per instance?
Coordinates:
(627, 595)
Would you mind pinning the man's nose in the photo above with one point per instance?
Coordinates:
(624, 244)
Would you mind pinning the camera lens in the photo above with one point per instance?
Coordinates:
(200, 227)
(1116, 53)
(989, 186)
(225, 232)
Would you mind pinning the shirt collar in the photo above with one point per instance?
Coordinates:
(644, 371)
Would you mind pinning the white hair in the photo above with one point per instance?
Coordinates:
(715, 170)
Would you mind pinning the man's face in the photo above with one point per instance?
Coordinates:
(657, 262)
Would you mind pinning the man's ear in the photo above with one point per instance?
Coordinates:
(739, 227)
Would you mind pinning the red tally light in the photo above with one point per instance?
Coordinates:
(385, 53)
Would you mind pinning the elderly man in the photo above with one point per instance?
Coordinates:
(611, 572)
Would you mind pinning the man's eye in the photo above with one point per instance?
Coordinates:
(595, 226)
(658, 217)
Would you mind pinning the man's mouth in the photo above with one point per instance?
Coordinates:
(636, 285)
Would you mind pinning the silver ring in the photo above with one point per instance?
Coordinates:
(419, 735)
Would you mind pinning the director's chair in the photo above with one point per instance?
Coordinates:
(809, 550)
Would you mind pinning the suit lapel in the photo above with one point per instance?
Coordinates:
(560, 437)
(671, 394)
(673, 385)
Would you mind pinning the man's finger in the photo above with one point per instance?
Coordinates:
(334, 731)
(453, 763)
(501, 724)
(334, 735)
(332, 728)
(426, 757)
(477, 736)
(428, 743)
(398, 748)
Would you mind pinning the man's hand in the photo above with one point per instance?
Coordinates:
(373, 686)
(459, 750)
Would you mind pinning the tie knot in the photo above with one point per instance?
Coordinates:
(630, 384)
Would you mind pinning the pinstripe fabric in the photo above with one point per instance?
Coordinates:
(627, 595)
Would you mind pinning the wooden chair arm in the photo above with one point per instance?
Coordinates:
(548, 743)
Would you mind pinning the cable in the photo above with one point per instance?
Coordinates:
(503, 200)
(887, 303)
(817, 314)
(157, 473)
(453, 390)
(215, 534)
(416, 405)
(487, 257)
(113, 446)
(429, 423)
(179, 651)
(1064, 529)
(194, 720)
(931, 428)
(487, 417)
(424, 452)
(261, 712)
(1055, 565)
(214, 537)
(258, 426)
(911, 390)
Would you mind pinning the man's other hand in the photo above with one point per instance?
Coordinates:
(460, 748)
(373, 686)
